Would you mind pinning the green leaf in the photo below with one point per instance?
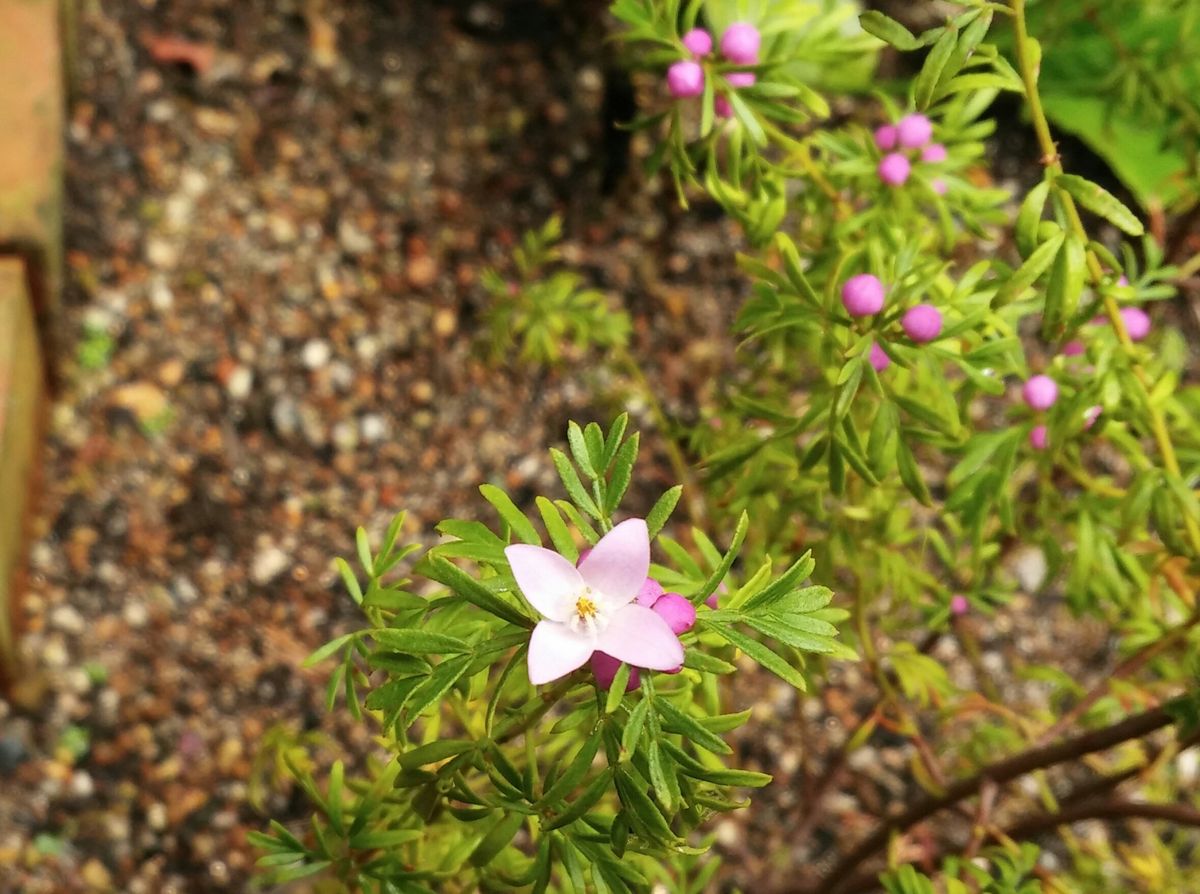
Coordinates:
(663, 777)
(1027, 274)
(576, 770)
(760, 653)
(910, 473)
(497, 838)
(579, 451)
(661, 512)
(632, 734)
(676, 721)
(622, 473)
(616, 691)
(349, 580)
(1100, 201)
(581, 805)
(417, 642)
(328, 649)
(926, 84)
(434, 752)
(1029, 217)
(437, 684)
(575, 489)
(560, 534)
(889, 31)
(615, 433)
(718, 575)
(1064, 288)
(643, 812)
(512, 516)
(446, 572)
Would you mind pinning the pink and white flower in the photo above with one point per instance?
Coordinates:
(593, 608)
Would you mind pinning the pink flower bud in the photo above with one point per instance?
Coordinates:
(741, 78)
(914, 131)
(878, 358)
(685, 79)
(650, 592)
(605, 668)
(678, 612)
(862, 295)
(712, 602)
(1137, 322)
(894, 169)
(740, 43)
(938, 185)
(1091, 414)
(1040, 392)
(922, 323)
(722, 107)
(1123, 281)
(1073, 348)
(1039, 437)
(959, 605)
(698, 42)
(934, 153)
(885, 137)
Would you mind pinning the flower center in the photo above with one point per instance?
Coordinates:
(587, 617)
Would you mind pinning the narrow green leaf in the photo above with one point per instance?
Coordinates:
(497, 838)
(417, 642)
(446, 572)
(762, 654)
(575, 488)
(718, 575)
(328, 649)
(1100, 201)
(512, 516)
(560, 534)
(663, 507)
(622, 473)
(1029, 217)
(888, 30)
(677, 721)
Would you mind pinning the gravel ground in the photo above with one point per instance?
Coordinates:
(275, 235)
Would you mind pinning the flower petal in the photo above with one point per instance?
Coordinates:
(637, 636)
(617, 566)
(549, 582)
(649, 593)
(555, 650)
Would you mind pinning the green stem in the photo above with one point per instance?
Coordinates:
(1050, 158)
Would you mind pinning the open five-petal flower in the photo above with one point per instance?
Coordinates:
(593, 607)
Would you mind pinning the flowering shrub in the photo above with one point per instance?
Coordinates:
(513, 748)
(937, 372)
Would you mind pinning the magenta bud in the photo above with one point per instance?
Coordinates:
(685, 79)
(1040, 392)
(740, 43)
(722, 107)
(862, 295)
(885, 137)
(1073, 348)
(1039, 437)
(934, 153)
(922, 323)
(741, 78)
(650, 592)
(678, 612)
(1091, 414)
(878, 358)
(712, 602)
(698, 42)
(605, 667)
(1123, 281)
(959, 605)
(938, 185)
(1137, 322)
(914, 131)
(894, 169)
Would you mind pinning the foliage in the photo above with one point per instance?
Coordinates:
(543, 312)
(896, 454)
(486, 783)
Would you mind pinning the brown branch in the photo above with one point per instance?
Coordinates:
(1130, 665)
(1136, 727)
(1110, 809)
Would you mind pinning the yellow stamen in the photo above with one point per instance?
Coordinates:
(585, 608)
